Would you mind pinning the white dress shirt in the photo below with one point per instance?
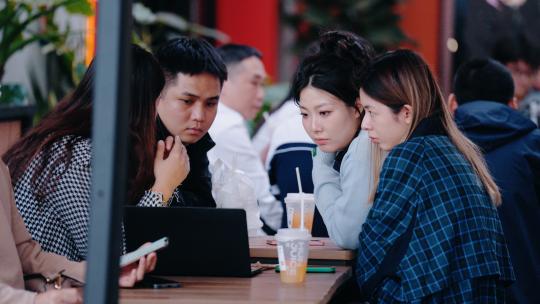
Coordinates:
(234, 148)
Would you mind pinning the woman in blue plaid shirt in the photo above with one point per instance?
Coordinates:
(433, 234)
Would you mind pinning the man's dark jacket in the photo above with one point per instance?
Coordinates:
(196, 189)
(511, 145)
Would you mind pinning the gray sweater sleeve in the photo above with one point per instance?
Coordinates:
(342, 197)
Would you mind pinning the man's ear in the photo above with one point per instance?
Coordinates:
(513, 103)
(407, 114)
(452, 103)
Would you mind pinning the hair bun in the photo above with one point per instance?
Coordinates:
(347, 47)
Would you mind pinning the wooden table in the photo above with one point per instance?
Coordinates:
(263, 288)
(328, 254)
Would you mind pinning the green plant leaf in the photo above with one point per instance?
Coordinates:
(82, 7)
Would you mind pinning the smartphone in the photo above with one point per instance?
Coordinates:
(133, 256)
(157, 283)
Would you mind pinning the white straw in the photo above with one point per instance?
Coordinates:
(301, 198)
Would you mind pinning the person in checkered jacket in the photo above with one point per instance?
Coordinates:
(433, 234)
(51, 165)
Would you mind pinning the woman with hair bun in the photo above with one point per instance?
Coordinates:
(326, 87)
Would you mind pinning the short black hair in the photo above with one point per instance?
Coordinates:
(234, 53)
(190, 56)
(483, 79)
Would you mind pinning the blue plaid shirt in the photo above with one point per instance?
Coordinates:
(457, 237)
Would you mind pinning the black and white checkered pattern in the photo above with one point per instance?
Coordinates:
(59, 221)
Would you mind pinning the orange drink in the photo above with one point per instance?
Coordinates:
(308, 220)
(293, 251)
(294, 208)
(295, 272)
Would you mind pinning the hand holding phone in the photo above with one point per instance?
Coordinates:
(134, 256)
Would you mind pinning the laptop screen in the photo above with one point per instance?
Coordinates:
(203, 241)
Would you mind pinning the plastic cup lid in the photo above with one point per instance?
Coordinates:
(286, 234)
(298, 196)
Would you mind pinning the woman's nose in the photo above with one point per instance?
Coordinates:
(366, 123)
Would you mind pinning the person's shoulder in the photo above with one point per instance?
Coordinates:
(412, 148)
(5, 183)
(359, 145)
(80, 146)
(534, 134)
(532, 139)
(226, 119)
(4, 171)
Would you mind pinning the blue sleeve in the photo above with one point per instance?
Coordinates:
(392, 211)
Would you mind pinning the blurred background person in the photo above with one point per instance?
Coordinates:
(240, 100)
(511, 51)
(530, 105)
(485, 110)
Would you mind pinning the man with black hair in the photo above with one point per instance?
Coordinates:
(513, 53)
(240, 100)
(194, 74)
(530, 105)
(484, 105)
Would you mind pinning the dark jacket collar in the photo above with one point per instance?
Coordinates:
(201, 147)
(491, 124)
(341, 154)
(431, 125)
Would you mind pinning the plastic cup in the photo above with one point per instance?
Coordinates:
(293, 251)
(292, 204)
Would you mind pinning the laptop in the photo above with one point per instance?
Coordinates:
(202, 241)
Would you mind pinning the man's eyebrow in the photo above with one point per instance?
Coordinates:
(213, 98)
(190, 94)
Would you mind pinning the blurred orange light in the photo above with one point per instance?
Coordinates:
(91, 34)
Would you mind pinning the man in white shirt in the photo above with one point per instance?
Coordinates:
(241, 98)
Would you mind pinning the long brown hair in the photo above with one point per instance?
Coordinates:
(402, 77)
(73, 116)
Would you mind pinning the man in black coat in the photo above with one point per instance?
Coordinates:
(187, 107)
(484, 105)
